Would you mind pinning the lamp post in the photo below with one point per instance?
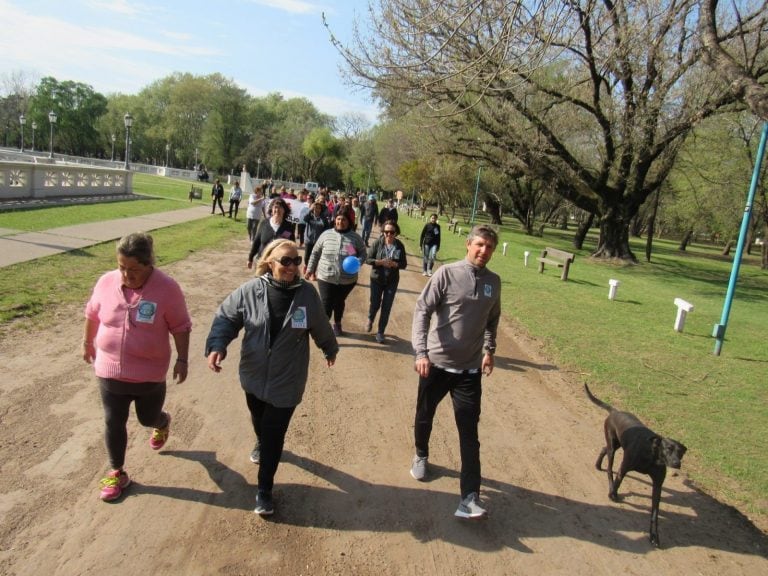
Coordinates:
(22, 121)
(52, 121)
(258, 167)
(477, 188)
(167, 150)
(34, 127)
(128, 119)
(195, 158)
(368, 186)
(113, 147)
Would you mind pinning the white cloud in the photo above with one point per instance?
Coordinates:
(293, 6)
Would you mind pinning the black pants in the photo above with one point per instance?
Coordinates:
(233, 204)
(334, 297)
(466, 392)
(270, 424)
(217, 200)
(116, 397)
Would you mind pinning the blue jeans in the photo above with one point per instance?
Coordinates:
(466, 392)
(382, 296)
(428, 257)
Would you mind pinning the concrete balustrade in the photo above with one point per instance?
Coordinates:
(27, 181)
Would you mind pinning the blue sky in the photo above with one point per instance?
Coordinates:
(124, 45)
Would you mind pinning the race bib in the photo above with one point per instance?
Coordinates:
(299, 318)
(145, 312)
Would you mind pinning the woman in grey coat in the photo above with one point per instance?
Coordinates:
(279, 312)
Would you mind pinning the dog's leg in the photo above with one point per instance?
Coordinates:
(611, 451)
(657, 476)
(600, 457)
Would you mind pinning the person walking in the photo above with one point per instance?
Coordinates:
(326, 265)
(430, 244)
(316, 221)
(465, 298)
(370, 217)
(255, 212)
(277, 225)
(389, 212)
(235, 195)
(132, 314)
(387, 258)
(279, 312)
(217, 195)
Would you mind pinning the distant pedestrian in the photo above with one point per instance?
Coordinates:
(217, 195)
(131, 316)
(279, 312)
(277, 225)
(387, 258)
(326, 265)
(453, 352)
(389, 212)
(256, 210)
(370, 217)
(430, 244)
(235, 195)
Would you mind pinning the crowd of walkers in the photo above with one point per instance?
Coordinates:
(136, 310)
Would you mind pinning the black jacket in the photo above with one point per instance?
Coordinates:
(265, 234)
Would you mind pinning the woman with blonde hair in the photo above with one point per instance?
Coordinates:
(279, 311)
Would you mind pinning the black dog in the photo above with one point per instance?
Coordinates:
(644, 451)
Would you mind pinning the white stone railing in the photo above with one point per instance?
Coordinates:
(25, 180)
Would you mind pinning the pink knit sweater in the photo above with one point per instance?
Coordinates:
(133, 339)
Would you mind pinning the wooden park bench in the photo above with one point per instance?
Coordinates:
(555, 257)
(196, 193)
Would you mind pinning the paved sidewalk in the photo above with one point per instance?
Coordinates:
(17, 246)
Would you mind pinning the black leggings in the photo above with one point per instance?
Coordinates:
(116, 397)
(334, 297)
(270, 424)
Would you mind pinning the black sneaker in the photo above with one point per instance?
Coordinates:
(264, 504)
(256, 453)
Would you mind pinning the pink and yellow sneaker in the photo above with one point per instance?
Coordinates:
(113, 484)
(160, 435)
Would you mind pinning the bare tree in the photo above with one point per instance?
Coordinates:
(593, 97)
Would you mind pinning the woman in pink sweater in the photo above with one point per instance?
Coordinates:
(128, 320)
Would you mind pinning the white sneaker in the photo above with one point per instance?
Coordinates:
(419, 467)
(470, 507)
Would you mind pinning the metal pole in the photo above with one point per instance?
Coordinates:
(113, 147)
(474, 203)
(258, 168)
(22, 121)
(34, 127)
(719, 330)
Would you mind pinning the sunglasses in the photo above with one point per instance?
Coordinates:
(389, 231)
(287, 260)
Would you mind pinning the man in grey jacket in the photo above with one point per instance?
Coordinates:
(465, 299)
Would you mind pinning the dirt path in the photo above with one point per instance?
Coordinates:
(346, 503)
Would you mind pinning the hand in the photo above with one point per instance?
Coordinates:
(487, 366)
(422, 366)
(89, 352)
(331, 361)
(180, 370)
(214, 361)
(250, 265)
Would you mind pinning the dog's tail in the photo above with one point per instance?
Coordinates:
(603, 405)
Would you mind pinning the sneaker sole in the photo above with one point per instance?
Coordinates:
(264, 512)
(417, 478)
(470, 516)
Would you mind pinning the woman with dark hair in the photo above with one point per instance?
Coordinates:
(326, 265)
(129, 319)
(387, 258)
(316, 222)
(277, 225)
(279, 312)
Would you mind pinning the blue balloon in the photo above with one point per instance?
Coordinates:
(351, 265)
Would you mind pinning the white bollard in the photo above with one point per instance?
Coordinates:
(526, 254)
(504, 249)
(459, 231)
(683, 308)
(614, 284)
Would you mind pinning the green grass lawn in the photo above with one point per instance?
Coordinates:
(626, 349)
(630, 354)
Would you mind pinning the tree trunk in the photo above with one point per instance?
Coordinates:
(581, 232)
(727, 250)
(651, 226)
(614, 237)
(764, 255)
(685, 241)
(493, 209)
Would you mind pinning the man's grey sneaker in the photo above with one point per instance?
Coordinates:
(264, 504)
(470, 507)
(380, 338)
(419, 467)
(256, 454)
